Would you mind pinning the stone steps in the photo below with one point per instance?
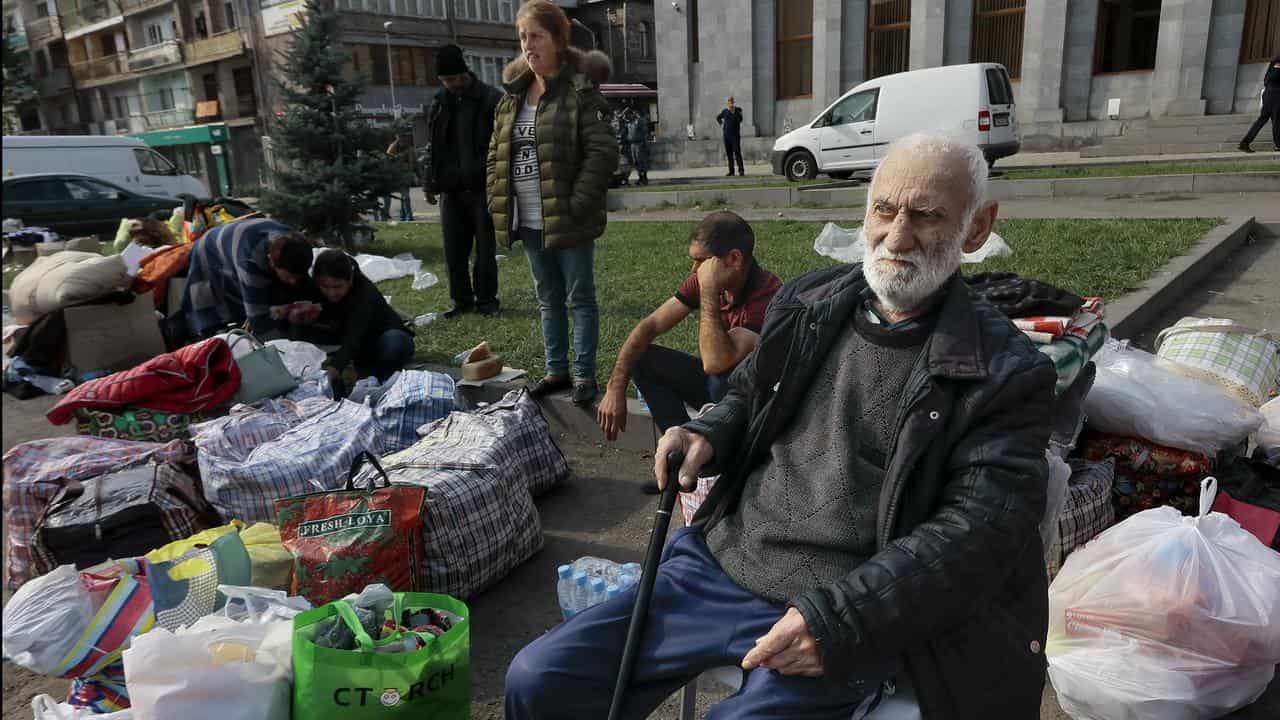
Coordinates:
(1139, 146)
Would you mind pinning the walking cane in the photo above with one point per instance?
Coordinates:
(635, 632)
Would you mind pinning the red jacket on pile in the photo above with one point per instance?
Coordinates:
(196, 377)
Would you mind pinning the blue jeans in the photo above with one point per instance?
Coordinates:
(698, 619)
(392, 351)
(406, 206)
(560, 277)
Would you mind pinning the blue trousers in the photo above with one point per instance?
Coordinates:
(564, 281)
(698, 619)
(392, 351)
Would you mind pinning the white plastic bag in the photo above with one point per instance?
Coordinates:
(1055, 498)
(424, 279)
(1165, 617)
(847, 246)
(259, 605)
(45, 618)
(1135, 395)
(216, 669)
(44, 707)
(300, 358)
(1269, 434)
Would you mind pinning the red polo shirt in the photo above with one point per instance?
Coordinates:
(746, 310)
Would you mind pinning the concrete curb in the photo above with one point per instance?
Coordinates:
(1126, 316)
(783, 197)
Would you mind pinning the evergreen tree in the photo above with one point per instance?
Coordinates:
(18, 89)
(332, 164)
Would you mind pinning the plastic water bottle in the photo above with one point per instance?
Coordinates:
(564, 590)
(611, 592)
(581, 592)
(597, 591)
(633, 568)
(640, 397)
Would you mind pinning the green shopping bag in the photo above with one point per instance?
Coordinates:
(434, 682)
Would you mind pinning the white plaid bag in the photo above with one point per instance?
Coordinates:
(243, 480)
(1088, 509)
(415, 398)
(1244, 361)
(510, 434)
(479, 516)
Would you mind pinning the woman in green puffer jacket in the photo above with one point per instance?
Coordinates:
(550, 161)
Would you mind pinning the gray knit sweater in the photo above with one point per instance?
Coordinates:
(807, 516)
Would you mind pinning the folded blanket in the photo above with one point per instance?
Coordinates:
(1070, 354)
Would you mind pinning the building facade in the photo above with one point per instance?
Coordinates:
(623, 30)
(1071, 60)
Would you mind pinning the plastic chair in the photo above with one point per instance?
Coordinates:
(900, 705)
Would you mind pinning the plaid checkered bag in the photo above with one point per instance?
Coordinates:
(1241, 359)
(510, 434)
(1088, 509)
(234, 436)
(34, 473)
(415, 398)
(480, 521)
(243, 481)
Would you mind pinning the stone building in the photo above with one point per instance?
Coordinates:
(622, 29)
(1083, 69)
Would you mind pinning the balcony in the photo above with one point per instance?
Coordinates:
(44, 29)
(100, 70)
(129, 7)
(154, 56)
(57, 81)
(215, 47)
(88, 14)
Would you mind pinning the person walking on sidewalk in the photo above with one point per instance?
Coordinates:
(402, 150)
(1270, 108)
(730, 119)
(730, 292)
(637, 124)
(551, 159)
(460, 123)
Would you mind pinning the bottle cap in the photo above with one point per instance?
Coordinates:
(565, 571)
(580, 578)
(597, 584)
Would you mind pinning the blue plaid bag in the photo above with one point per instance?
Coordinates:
(414, 398)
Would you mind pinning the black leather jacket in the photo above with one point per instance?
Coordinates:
(957, 588)
(452, 168)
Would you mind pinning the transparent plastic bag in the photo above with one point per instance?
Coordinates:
(255, 605)
(847, 246)
(1165, 617)
(45, 619)
(44, 707)
(1055, 498)
(1135, 395)
(1269, 434)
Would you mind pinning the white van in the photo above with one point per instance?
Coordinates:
(125, 161)
(972, 102)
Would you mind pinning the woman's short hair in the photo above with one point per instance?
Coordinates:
(334, 264)
(552, 19)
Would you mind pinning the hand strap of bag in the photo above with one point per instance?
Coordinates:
(355, 469)
(366, 643)
(238, 334)
(1225, 328)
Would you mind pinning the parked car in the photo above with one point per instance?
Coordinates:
(125, 161)
(973, 102)
(75, 205)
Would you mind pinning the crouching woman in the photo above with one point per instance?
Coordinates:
(371, 335)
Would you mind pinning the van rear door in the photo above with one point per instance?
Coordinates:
(1000, 121)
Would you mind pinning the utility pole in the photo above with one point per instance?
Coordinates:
(391, 69)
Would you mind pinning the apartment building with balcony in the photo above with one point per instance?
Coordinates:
(57, 109)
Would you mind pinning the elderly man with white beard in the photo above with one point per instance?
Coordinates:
(882, 477)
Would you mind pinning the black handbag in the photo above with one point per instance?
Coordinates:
(123, 514)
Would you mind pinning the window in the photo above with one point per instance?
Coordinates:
(507, 10)
(1126, 37)
(108, 44)
(37, 191)
(380, 72)
(246, 98)
(42, 9)
(210, 83)
(855, 108)
(693, 32)
(997, 33)
(85, 189)
(795, 49)
(888, 37)
(162, 100)
(229, 13)
(202, 27)
(151, 162)
(999, 91)
(1261, 31)
(154, 34)
(640, 41)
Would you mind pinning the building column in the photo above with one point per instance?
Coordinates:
(671, 48)
(828, 19)
(1044, 33)
(1177, 83)
(928, 33)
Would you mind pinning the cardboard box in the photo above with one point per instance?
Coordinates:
(113, 337)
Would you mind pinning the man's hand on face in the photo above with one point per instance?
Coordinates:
(788, 648)
(612, 413)
(711, 273)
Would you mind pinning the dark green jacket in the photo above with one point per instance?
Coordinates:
(577, 153)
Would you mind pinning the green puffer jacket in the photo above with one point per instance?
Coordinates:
(577, 153)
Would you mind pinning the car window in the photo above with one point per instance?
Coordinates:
(34, 191)
(998, 90)
(151, 162)
(856, 108)
(82, 189)
(162, 163)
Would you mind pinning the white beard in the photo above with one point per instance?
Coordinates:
(905, 289)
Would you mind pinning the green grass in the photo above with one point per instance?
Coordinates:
(640, 264)
(709, 184)
(1135, 170)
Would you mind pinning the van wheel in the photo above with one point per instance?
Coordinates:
(800, 166)
(841, 175)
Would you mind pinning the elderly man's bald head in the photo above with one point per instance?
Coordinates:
(926, 204)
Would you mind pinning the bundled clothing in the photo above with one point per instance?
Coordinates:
(230, 280)
(1018, 297)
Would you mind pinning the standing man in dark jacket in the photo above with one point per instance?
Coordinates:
(1270, 108)
(637, 124)
(460, 123)
(882, 473)
(730, 119)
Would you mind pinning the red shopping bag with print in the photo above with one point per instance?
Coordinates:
(344, 540)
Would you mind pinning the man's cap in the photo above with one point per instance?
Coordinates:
(449, 61)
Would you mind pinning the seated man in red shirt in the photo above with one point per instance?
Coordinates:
(730, 291)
